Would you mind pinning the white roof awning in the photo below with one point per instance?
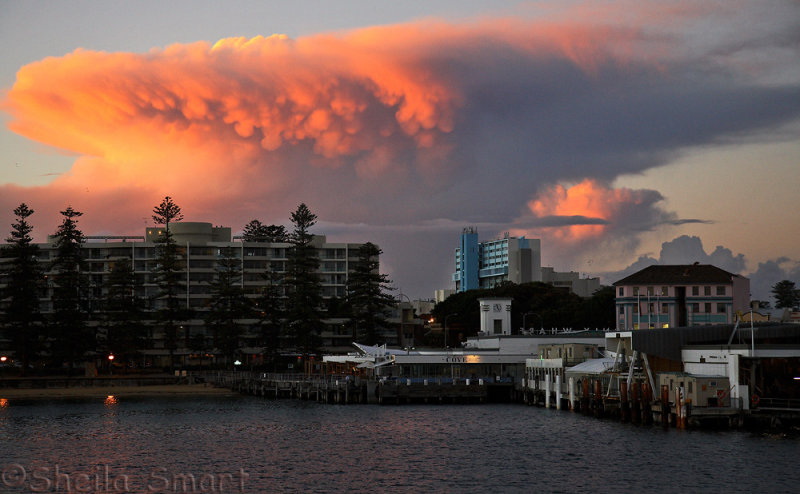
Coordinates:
(594, 366)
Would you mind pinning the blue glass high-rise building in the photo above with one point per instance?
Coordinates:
(487, 264)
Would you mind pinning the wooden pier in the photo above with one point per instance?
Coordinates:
(636, 404)
(343, 389)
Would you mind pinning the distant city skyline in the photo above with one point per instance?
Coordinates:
(620, 133)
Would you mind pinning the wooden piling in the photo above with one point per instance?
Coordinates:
(572, 394)
(558, 392)
(665, 411)
(636, 412)
(647, 400)
(597, 406)
(547, 391)
(585, 395)
(624, 408)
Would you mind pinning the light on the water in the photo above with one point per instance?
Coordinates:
(111, 400)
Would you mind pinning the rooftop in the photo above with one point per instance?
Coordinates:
(680, 274)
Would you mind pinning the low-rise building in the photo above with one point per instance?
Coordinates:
(680, 295)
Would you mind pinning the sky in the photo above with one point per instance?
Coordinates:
(621, 133)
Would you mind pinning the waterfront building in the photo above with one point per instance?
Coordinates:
(508, 259)
(680, 295)
(201, 247)
(759, 361)
(492, 357)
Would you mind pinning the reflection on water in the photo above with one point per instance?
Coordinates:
(3, 402)
(246, 444)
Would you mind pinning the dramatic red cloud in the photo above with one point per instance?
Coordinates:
(252, 118)
(586, 210)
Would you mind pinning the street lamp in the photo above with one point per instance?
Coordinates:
(445, 326)
(111, 365)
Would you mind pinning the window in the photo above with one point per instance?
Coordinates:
(664, 291)
(664, 308)
(722, 308)
(650, 290)
(707, 307)
(636, 309)
(695, 307)
(706, 291)
(651, 308)
(621, 291)
(720, 290)
(636, 290)
(695, 291)
(621, 309)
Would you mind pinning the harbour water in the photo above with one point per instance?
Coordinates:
(249, 444)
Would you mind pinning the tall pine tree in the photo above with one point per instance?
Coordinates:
(366, 294)
(271, 311)
(229, 305)
(23, 318)
(124, 312)
(171, 310)
(303, 283)
(71, 336)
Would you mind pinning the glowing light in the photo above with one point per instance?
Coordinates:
(110, 400)
(111, 357)
(3, 402)
(3, 358)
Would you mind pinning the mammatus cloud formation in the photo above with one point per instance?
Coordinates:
(520, 124)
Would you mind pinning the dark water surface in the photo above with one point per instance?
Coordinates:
(247, 444)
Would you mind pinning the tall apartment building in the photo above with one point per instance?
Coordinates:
(487, 264)
(515, 259)
(679, 296)
(201, 246)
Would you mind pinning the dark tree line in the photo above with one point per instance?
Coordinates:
(546, 307)
(288, 310)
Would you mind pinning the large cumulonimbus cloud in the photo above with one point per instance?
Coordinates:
(408, 124)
